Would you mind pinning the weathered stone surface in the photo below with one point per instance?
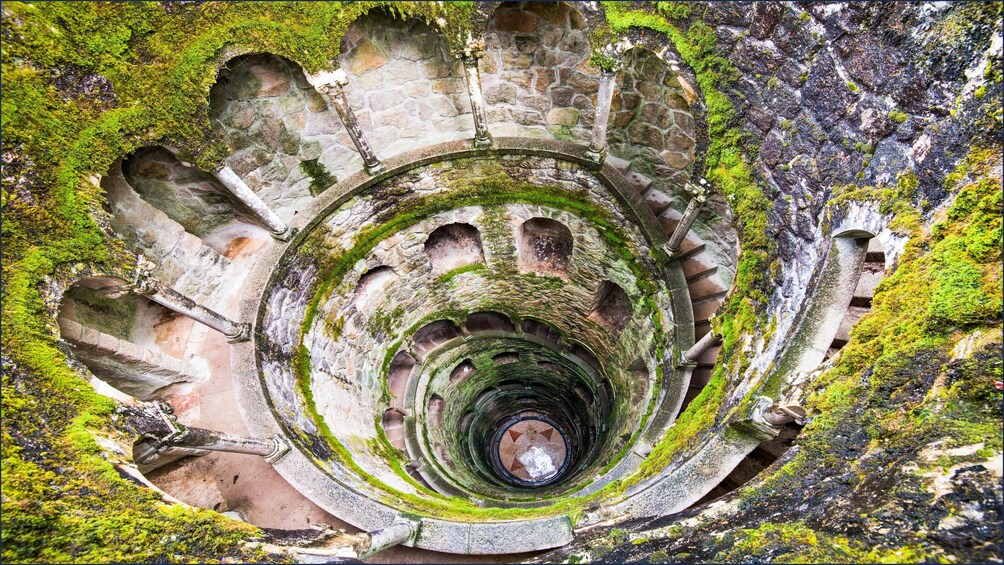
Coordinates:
(365, 57)
(563, 117)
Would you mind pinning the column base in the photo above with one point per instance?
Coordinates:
(283, 235)
(374, 170)
(281, 448)
(483, 143)
(597, 157)
(244, 334)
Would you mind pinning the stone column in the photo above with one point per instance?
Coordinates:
(243, 192)
(385, 538)
(331, 85)
(175, 301)
(598, 142)
(482, 139)
(698, 349)
(699, 194)
(160, 432)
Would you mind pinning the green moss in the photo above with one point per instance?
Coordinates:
(853, 87)
(320, 178)
(897, 116)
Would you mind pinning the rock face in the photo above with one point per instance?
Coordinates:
(843, 277)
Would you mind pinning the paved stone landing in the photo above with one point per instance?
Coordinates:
(532, 450)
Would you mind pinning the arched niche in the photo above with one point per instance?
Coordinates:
(612, 307)
(432, 335)
(405, 87)
(651, 124)
(453, 246)
(126, 341)
(540, 329)
(488, 322)
(397, 377)
(369, 289)
(545, 246)
(535, 73)
(461, 372)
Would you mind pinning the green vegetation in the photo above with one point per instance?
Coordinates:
(320, 178)
(897, 116)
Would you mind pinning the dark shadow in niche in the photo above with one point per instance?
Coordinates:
(488, 322)
(454, 246)
(611, 307)
(370, 284)
(433, 335)
(586, 356)
(540, 329)
(462, 371)
(545, 246)
(397, 377)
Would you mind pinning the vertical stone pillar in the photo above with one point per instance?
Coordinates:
(598, 142)
(243, 192)
(698, 349)
(331, 85)
(177, 302)
(385, 538)
(699, 194)
(199, 438)
(472, 76)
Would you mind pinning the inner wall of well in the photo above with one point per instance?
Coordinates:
(459, 230)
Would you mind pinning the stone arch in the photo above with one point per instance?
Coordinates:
(463, 370)
(405, 86)
(545, 246)
(284, 142)
(541, 329)
(435, 409)
(370, 284)
(117, 339)
(489, 321)
(188, 195)
(651, 124)
(535, 71)
(397, 377)
(434, 334)
(453, 246)
(612, 307)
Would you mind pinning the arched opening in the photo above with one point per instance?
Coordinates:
(545, 246)
(461, 372)
(285, 143)
(454, 246)
(371, 285)
(404, 86)
(535, 72)
(431, 336)
(489, 322)
(611, 307)
(397, 377)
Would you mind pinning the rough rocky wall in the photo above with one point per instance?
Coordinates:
(284, 142)
(405, 87)
(535, 72)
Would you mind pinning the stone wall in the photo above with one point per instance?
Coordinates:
(405, 87)
(535, 72)
(285, 143)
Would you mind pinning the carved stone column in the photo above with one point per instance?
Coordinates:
(331, 85)
(598, 142)
(243, 192)
(699, 192)
(472, 76)
(698, 349)
(145, 285)
(161, 433)
(385, 538)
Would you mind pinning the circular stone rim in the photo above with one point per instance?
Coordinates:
(496, 458)
(327, 491)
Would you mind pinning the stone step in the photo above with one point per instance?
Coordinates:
(854, 313)
(695, 265)
(689, 248)
(701, 328)
(710, 356)
(638, 181)
(705, 308)
(702, 274)
(621, 165)
(657, 200)
(700, 377)
(694, 297)
(871, 275)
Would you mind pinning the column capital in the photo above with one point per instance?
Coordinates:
(474, 49)
(698, 190)
(324, 81)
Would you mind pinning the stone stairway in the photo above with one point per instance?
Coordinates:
(705, 281)
(872, 273)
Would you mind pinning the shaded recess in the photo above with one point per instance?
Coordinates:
(453, 246)
(545, 246)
